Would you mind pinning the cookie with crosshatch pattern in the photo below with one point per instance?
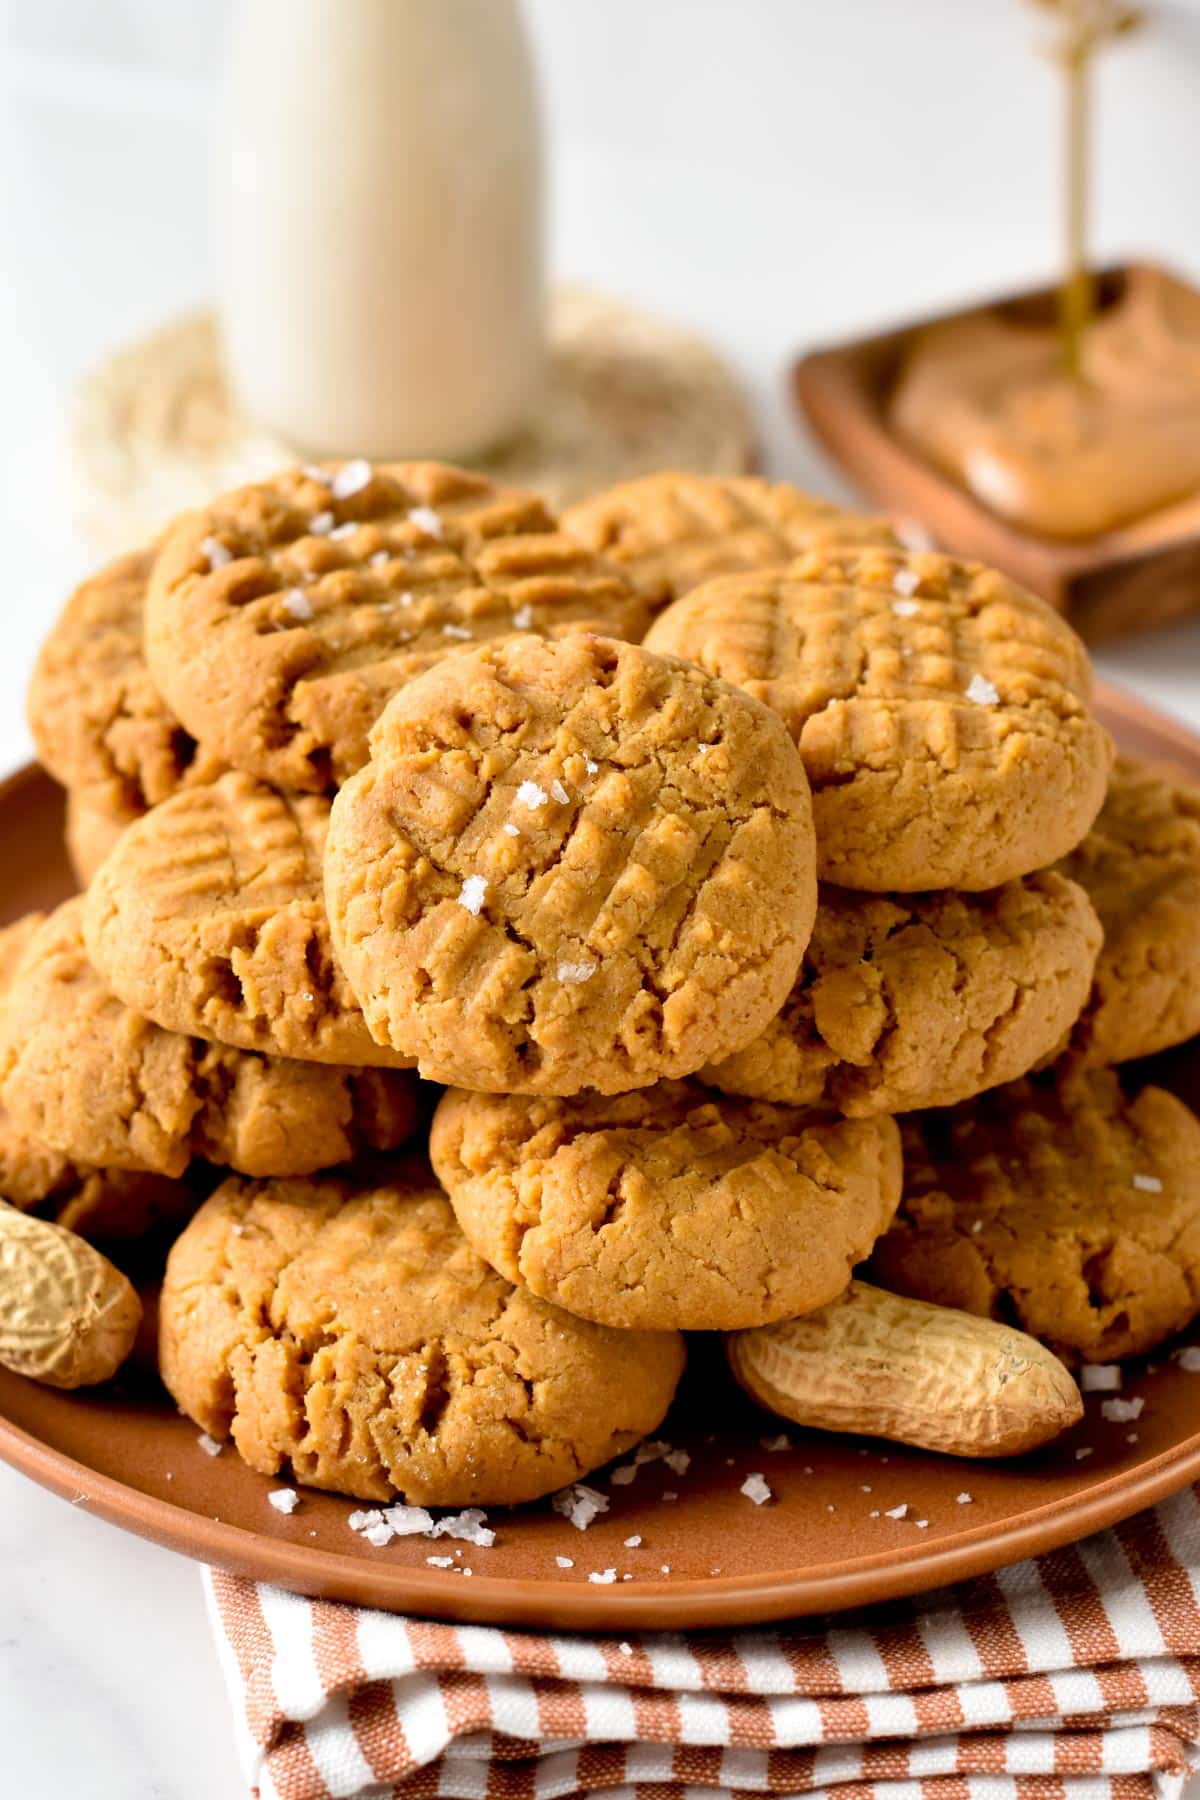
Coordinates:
(208, 918)
(571, 865)
(670, 532)
(941, 711)
(282, 617)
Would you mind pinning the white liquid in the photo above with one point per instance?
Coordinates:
(378, 199)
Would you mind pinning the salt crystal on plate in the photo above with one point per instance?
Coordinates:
(571, 973)
(1085, 1450)
(756, 1488)
(471, 1526)
(898, 1512)
(565, 1562)
(470, 895)
(580, 1504)
(209, 1445)
(669, 1494)
(1147, 1184)
(350, 478)
(982, 691)
(426, 520)
(440, 1562)
(632, 1543)
(284, 1500)
(1189, 1359)
(379, 1535)
(922, 1524)
(321, 524)
(216, 553)
(782, 1442)
(602, 1577)
(1099, 1378)
(965, 1499)
(906, 582)
(1122, 1412)
(531, 795)
(678, 1461)
(407, 1521)
(296, 604)
(624, 1475)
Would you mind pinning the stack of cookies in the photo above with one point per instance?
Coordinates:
(684, 845)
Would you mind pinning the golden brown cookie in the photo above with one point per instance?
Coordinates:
(84, 1073)
(208, 918)
(916, 1000)
(97, 719)
(668, 533)
(571, 865)
(1055, 1204)
(1140, 864)
(941, 711)
(281, 618)
(90, 831)
(345, 1331)
(672, 1206)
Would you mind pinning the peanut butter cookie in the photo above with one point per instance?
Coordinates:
(208, 918)
(1055, 1204)
(1140, 864)
(571, 865)
(345, 1331)
(673, 1206)
(89, 831)
(908, 1001)
(32, 1175)
(668, 533)
(83, 1072)
(941, 711)
(282, 617)
(97, 720)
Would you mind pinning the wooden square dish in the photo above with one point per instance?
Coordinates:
(1141, 574)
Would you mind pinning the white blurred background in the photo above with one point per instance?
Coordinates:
(777, 172)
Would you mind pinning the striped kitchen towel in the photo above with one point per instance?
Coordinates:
(1073, 1676)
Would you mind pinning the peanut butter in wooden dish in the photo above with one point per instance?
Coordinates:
(987, 397)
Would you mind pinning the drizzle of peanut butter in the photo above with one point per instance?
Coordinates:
(986, 397)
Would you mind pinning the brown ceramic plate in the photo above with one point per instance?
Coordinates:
(126, 1454)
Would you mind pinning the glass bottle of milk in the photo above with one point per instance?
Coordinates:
(378, 214)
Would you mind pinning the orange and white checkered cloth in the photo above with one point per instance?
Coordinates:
(1074, 1677)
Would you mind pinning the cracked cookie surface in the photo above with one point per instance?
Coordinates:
(910, 1001)
(347, 1331)
(1059, 1205)
(88, 1075)
(283, 617)
(668, 533)
(941, 711)
(208, 918)
(671, 1206)
(571, 865)
(1140, 865)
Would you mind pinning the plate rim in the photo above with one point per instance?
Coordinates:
(713, 1602)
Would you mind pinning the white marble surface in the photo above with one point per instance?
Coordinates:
(778, 175)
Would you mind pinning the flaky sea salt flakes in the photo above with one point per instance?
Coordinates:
(440, 1562)
(579, 1505)
(1122, 1412)
(905, 609)
(1100, 1378)
(669, 1494)
(351, 478)
(593, 768)
(774, 1444)
(625, 1649)
(623, 1476)
(470, 895)
(471, 1526)
(565, 1562)
(602, 1577)
(216, 553)
(632, 1543)
(572, 973)
(296, 604)
(678, 1461)
(379, 1536)
(361, 1521)
(906, 582)
(426, 520)
(531, 795)
(407, 1521)
(457, 631)
(321, 524)
(1084, 1450)
(756, 1488)
(897, 1512)
(1189, 1359)
(560, 793)
(284, 1500)
(523, 618)
(209, 1445)
(965, 1499)
(982, 691)
(510, 830)
(1147, 1184)
(664, 1568)
(922, 1524)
